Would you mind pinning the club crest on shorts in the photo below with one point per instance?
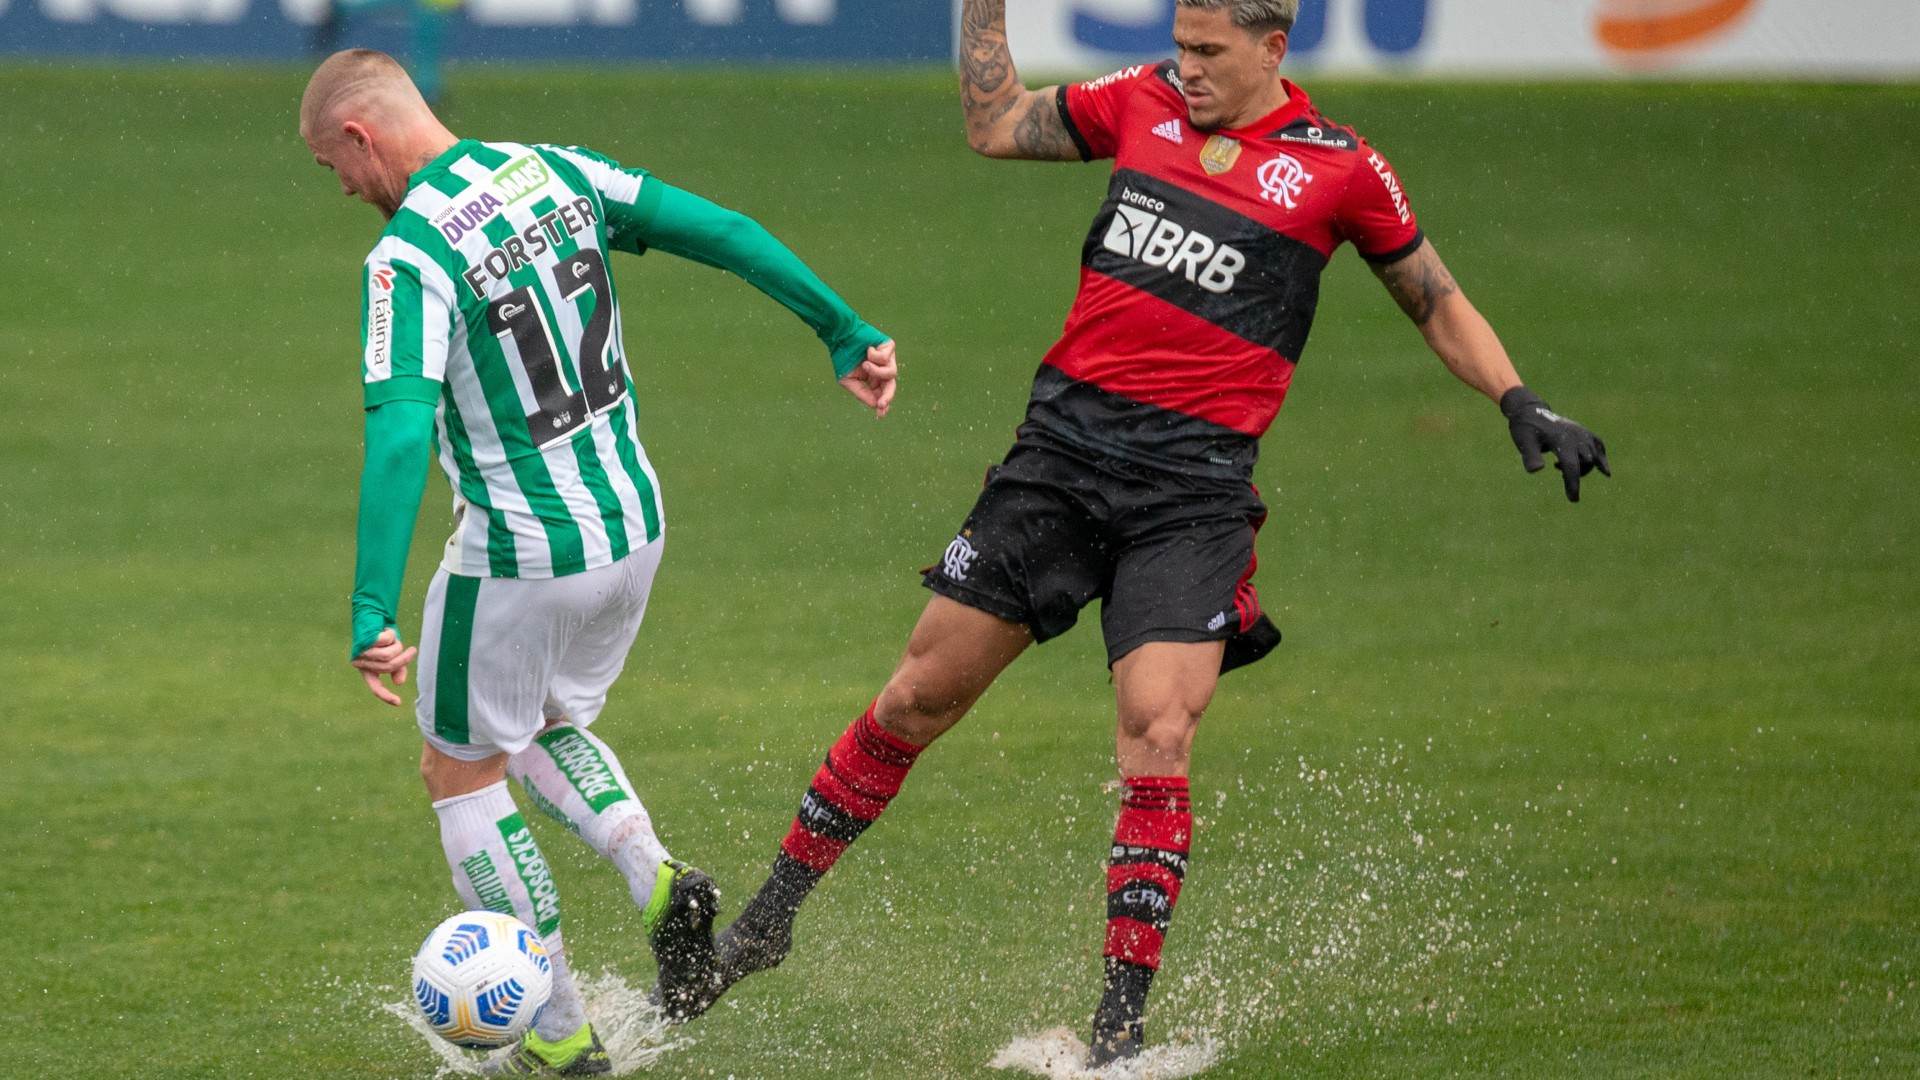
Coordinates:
(958, 559)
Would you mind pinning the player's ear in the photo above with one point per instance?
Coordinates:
(356, 132)
(1275, 47)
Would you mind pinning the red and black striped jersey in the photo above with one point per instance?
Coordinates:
(1199, 278)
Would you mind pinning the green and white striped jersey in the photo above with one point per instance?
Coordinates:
(488, 296)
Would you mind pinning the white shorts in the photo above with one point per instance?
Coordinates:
(499, 657)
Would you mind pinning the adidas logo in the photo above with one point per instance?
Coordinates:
(1217, 621)
(1169, 130)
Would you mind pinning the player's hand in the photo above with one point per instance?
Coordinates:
(1537, 429)
(873, 382)
(386, 656)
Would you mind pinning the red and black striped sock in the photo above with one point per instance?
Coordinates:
(862, 773)
(1144, 871)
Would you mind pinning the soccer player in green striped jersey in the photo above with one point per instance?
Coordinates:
(491, 335)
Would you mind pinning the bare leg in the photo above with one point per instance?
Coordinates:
(1162, 690)
(447, 776)
(955, 653)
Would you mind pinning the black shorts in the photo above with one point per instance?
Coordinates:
(1170, 557)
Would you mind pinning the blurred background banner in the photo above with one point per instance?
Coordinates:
(1791, 38)
(886, 31)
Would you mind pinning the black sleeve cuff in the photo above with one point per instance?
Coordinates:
(1073, 129)
(1387, 257)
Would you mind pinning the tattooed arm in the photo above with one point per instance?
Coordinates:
(1004, 118)
(1456, 331)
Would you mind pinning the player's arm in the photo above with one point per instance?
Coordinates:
(684, 224)
(1004, 118)
(408, 312)
(1465, 342)
(393, 477)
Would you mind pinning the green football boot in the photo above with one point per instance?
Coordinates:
(579, 1054)
(679, 923)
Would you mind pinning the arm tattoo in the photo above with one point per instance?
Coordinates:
(1418, 283)
(986, 67)
(1040, 135)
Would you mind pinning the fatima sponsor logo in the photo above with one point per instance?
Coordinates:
(533, 873)
(380, 334)
(585, 769)
(485, 879)
(521, 178)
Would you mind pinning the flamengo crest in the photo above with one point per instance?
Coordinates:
(1282, 180)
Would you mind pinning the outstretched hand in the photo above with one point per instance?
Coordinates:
(1537, 429)
(386, 656)
(874, 381)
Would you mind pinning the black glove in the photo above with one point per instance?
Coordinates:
(1536, 428)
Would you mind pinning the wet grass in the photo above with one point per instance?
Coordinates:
(1621, 789)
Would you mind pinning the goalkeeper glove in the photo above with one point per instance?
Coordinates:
(1536, 429)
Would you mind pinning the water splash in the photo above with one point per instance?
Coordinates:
(635, 1033)
(1060, 1055)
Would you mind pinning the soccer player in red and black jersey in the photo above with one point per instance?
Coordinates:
(1130, 480)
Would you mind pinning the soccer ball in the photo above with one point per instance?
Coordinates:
(481, 978)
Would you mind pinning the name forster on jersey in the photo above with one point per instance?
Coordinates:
(514, 252)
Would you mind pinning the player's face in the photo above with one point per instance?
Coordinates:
(1228, 71)
(359, 171)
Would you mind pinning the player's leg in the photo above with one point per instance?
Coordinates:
(483, 654)
(1162, 690)
(953, 655)
(1180, 610)
(1019, 571)
(578, 779)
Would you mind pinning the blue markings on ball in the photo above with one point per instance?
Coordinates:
(530, 947)
(465, 942)
(435, 1005)
(497, 1005)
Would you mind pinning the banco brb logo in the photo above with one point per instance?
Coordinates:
(1393, 27)
(1158, 241)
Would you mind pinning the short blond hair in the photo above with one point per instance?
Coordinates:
(358, 80)
(1259, 16)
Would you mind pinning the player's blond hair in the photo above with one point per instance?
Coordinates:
(1260, 16)
(354, 80)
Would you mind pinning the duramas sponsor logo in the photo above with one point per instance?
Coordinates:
(1140, 231)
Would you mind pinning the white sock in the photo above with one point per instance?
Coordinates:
(577, 780)
(497, 867)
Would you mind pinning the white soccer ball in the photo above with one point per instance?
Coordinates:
(481, 978)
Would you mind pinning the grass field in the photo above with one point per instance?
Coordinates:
(1621, 789)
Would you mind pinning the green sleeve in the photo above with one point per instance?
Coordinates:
(684, 224)
(392, 480)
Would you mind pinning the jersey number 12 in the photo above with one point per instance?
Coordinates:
(562, 410)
